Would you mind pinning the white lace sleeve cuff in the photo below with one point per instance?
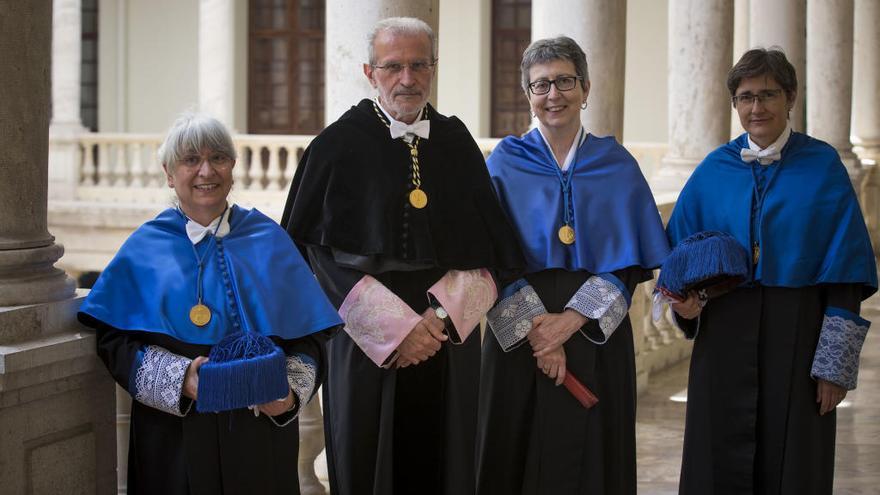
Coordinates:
(511, 319)
(840, 342)
(302, 372)
(158, 380)
(603, 298)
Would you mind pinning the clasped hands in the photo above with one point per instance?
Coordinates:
(423, 341)
(690, 308)
(272, 408)
(549, 331)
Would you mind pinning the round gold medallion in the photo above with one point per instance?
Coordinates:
(418, 198)
(200, 315)
(566, 234)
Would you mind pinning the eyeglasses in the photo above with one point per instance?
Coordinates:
(419, 67)
(563, 83)
(216, 160)
(748, 99)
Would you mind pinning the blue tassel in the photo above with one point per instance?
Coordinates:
(702, 261)
(243, 369)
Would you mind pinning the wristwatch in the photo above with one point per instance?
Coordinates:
(441, 314)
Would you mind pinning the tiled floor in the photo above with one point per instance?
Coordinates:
(660, 425)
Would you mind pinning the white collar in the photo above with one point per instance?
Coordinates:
(572, 152)
(396, 123)
(777, 145)
(196, 231)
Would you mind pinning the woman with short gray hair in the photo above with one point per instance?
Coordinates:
(206, 278)
(590, 231)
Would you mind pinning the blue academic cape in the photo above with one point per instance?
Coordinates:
(614, 215)
(254, 279)
(810, 227)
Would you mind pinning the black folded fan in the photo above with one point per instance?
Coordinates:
(713, 262)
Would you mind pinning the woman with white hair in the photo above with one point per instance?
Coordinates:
(200, 274)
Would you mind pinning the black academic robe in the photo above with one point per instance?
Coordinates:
(535, 438)
(204, 453)
(410, 430)
(753, 424)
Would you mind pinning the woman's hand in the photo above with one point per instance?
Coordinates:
(551, 330)
(690, 308)
(828, 396)
(280, 406)
(191, 381)
(553, 364)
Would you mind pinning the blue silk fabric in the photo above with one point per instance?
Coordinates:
(254, 279)
(615, 218)
(809, 227)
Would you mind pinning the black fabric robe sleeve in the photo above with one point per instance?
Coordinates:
(118, 350)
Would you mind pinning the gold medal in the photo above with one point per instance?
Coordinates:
(566, 234)
(418, 198)
(200, 315)
(756, 253)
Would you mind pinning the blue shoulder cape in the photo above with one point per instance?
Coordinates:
(811, 226)
(615, 217)
(254, 279)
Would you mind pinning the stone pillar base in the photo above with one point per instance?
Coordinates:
(29, 275)
(56, 404)
(671, 176)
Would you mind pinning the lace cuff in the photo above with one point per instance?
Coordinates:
(511, 319)
(840, 342)
(158, 380)
(301, 374)
(466, 296)
(377, 320)
(603, 298)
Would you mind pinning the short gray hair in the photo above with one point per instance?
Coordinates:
(191, 133)
(401, 26)
(550, 49)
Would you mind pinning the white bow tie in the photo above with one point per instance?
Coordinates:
(764, 157)
(420, 128)
(197, 232)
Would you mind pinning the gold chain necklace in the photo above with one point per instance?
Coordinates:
(417, 196)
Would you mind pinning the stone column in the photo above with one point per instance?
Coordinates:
(599, 27)
(866, 78)
(783, 23)
(866, 109)
(56, 399)
(217, 59)
(740, 45)
(829, 76)
(700, 44)
(346, 44)
(66, 125)
(27, 250)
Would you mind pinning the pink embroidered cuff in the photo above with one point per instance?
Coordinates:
(377, 320)
(466, 296)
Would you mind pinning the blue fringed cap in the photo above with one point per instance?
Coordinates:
(708, 260)
(244, 369)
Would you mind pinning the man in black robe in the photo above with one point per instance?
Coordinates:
(395, 210)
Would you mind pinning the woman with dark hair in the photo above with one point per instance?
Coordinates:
(590, 231)
(773, 358)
